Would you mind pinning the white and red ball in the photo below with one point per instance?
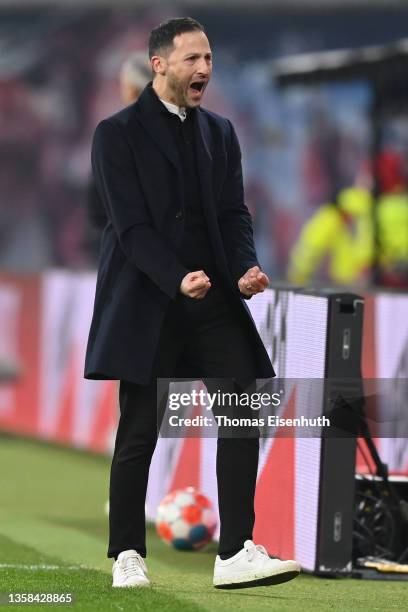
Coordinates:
(186, 519)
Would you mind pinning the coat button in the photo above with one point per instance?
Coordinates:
(179, 214)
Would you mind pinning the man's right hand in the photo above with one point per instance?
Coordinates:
(195, 285)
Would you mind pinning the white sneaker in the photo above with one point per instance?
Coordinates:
(252, 566)
(129, 570)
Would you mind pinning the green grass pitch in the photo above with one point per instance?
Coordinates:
(53, 539)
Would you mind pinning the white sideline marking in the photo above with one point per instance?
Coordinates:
(41, 567)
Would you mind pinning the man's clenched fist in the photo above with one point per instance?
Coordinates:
(254, 281)
(195, 284)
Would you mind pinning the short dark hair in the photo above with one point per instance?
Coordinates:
(161, 38)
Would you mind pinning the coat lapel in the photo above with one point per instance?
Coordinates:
(158, 129)
(203, 134)
(154, 122)
(204, 159)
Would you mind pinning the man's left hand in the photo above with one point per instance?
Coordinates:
(254, 281)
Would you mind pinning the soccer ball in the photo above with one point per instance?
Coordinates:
(186, 519)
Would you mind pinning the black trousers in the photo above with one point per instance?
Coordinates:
(199, 339)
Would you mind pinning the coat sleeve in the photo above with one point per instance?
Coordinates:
(116, 178)
(234, 217)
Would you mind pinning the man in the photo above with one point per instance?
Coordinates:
(134, 75)
(177, 258)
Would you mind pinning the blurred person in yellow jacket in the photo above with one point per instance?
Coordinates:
(338, 237)
(392, 220)
(350, 237)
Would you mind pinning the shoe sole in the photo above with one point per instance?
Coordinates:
(131, 586)
(266, 581)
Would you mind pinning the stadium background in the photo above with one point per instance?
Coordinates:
(58, 77)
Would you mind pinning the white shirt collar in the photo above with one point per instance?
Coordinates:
(177, 110)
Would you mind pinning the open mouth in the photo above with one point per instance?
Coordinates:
(197, 86)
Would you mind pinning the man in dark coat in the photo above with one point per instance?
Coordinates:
(177, 262)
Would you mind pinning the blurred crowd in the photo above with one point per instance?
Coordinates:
(61, 72)
(362, 235)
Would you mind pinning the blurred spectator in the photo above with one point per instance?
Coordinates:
(134, 76)
(392, 220)
(343, 234)
(339, 234)
(135, 73)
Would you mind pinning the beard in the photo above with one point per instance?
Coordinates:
(178, 89)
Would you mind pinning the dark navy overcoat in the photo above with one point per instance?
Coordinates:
(138, 174)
